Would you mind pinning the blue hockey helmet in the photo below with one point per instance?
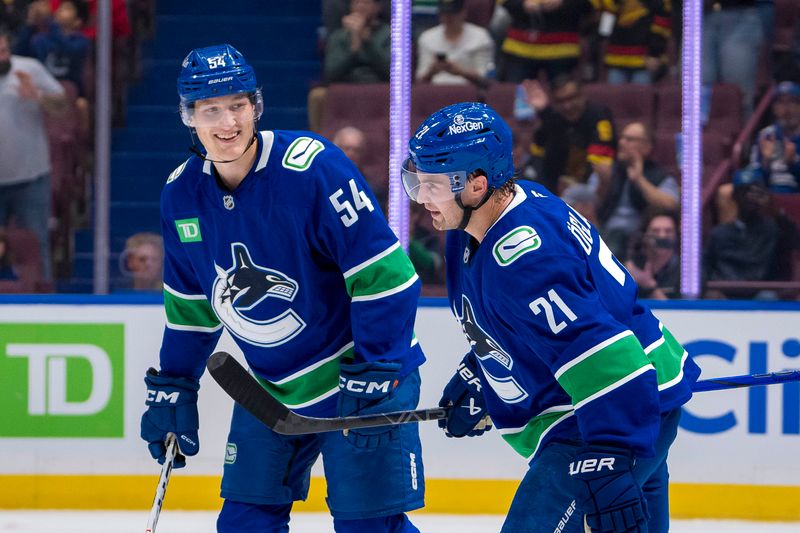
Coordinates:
(213, 71)
(456, 141)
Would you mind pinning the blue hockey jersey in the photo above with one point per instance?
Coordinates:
(297, 263)
(561, 339)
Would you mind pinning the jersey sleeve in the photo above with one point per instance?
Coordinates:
(597, 360)
(379, 277)
(192, 328)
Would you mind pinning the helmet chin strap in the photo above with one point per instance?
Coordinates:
(203, 156)
(468, 210)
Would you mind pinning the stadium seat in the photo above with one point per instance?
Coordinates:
(725, 114)
(500, 97)
(480, 12)
(354, 105)
(668, 108)
(726, 109)
(628, 102)
(26, 260)
(716, 147)
(789, 205)
(427, 98)
(664, 152)
(715, 150)
(787, 14)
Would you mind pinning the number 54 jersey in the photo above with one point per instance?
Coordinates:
(297, 263)
(561, 339)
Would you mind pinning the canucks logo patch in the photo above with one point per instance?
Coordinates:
(230, 453)
(301, 153)
(514, 244)
(177, 172)
(242, 288)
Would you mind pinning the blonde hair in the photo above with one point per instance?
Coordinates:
(132, 243)
(145, 237)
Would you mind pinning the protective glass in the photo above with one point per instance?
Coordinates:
(424, 187)
(214, 114)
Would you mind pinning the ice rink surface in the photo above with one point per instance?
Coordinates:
(203, 522)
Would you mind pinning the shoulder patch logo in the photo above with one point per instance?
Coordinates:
(189, 230)
(515, 243)
(177, 172)
(301, 153)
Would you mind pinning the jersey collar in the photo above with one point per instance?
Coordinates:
(519, 197)
(265, 146)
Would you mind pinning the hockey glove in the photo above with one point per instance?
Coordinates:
(611, 499)
(171, 408)
(368, 388)
(463, 395)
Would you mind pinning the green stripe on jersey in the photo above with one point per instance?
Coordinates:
(667, 357)
(192, 312)
(310, 385)
(388, 272)
(527, 441)
(603, 368)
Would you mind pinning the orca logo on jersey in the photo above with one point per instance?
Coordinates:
(482, 344)
(245, 285)
(487, 349)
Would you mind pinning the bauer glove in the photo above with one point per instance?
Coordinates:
(467, 417)
(610, 497)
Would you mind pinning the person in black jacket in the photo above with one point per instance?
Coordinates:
(633, 183)
(757, 246)
(574, 136)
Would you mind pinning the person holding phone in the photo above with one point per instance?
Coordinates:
(455, 52)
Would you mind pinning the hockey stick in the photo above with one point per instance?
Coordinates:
(247, 392)
(161, 490)
(747, 380)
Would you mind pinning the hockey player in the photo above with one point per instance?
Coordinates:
(275, 237)
(579, 377)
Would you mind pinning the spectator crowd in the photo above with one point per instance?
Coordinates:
(590, 87)
(592, 90)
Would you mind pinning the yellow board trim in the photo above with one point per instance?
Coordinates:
(201, 493)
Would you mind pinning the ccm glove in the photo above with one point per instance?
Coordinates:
(171, 408)
(611, 498)
(368, 388)
(467, 417)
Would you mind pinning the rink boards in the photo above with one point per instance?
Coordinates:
(72, 394)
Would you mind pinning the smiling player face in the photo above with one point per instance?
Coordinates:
(224, 125)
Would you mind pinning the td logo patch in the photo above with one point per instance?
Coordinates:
(515, 243)
(189, 230)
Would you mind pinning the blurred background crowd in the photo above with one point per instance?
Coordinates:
(591, 89)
